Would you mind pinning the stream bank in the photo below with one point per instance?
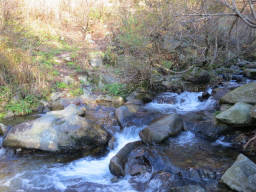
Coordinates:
(194, 160)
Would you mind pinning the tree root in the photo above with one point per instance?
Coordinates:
(250, 140)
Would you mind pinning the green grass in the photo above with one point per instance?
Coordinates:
(55, 73)
(23, 106)
(61, 85)
(70, 63)
(5, 93)
(2, 115)
(167, 64)
(116, 89)
(76, 92)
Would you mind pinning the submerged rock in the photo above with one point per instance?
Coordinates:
(117, 163)
(237, 115)
(204, 124)
(245, 93)
(168, 182)
(58, 131)
(205, 95)
(161, 129)
(241, 176)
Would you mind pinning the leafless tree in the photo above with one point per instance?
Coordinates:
(248, 17)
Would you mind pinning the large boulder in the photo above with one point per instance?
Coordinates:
(161, 129)
(58, 131)
(117, 163)
(241, 176)
(237, 115)
(3, 129)
(137, 162)
(245, 93)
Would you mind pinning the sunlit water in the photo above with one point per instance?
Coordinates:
(184, 102)
(90, 174)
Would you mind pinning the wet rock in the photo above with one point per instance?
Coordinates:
(243, 63)
(3, 129)
(140, 96)
(225, 107)
(237, 78)
(253, 112)
(205, 95)
(161, 181)
(58, 131)
(117, 163)
(241, 176)
(237, 115)
(204, 125)
(103, 116)
(124, 112)
(245, 93)
(188, 188)
(137, 163)
(44, 107)
(250, 73)
(161, 129)
(218, 93)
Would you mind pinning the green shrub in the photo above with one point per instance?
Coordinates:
(23, 106)
(61, 85)
(116, 89)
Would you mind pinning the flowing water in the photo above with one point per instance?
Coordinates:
(52, 173)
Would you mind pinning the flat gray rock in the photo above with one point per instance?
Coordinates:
(241, 176)
(245, 93)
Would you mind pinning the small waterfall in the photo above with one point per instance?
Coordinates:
(179, 103)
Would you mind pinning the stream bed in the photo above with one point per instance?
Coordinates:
(194, 158)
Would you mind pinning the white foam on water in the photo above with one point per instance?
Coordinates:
(97, 170)
(221, 141)
(2, 150)
(185, 102)
(62, 176)
(186, 138)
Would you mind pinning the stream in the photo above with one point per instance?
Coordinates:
(40, 172)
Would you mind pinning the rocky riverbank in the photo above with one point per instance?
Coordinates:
(189, 141)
